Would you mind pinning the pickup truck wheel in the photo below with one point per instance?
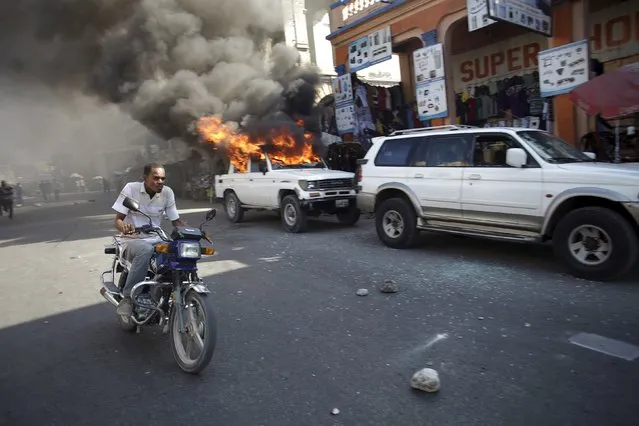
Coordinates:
(596, 243)
(396, 223)
(349, 216)
(233, 208)
(293, 216)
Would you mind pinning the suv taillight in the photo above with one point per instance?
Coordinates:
(359, 174)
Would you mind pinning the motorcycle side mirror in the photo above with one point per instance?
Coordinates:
(131, 204)
(211, 215)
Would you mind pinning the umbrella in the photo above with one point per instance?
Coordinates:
(611, 95)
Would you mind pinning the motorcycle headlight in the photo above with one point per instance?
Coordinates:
(189, 250)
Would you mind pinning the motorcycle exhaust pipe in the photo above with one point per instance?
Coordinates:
(108, 296)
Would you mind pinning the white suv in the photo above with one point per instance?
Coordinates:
(508, 184)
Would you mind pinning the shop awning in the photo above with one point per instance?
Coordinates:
(612, 95)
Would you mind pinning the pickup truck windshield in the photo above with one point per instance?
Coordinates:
(552, 149)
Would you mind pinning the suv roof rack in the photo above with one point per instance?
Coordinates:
(430, 129)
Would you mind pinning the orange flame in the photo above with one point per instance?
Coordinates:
(285, 150)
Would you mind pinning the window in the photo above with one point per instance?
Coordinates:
(395, 152)
(490, 151)
(552, 149)
(443, 151)
(255, 163)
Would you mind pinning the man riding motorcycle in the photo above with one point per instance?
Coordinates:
(155, 200)
(6, 198)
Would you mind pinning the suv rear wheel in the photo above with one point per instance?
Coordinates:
(596, 243)
(233, 207)
(396, 223)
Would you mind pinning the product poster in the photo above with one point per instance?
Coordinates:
(563, 68)
(370, 50)
(358, 55)
(429, 63)
(534, 15)
(431, 99)
(345, 118)
(478, 14)
(381, 46)
(343, 88)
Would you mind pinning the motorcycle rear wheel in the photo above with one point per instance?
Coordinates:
(200, 330)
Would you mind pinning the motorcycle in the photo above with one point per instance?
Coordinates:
(172, 296)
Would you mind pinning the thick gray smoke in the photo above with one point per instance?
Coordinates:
(165, 62)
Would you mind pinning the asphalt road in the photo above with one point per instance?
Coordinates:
(296, 342)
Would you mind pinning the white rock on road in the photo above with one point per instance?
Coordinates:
(362, 292)
(426, 380)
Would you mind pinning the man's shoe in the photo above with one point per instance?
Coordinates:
(125, 307)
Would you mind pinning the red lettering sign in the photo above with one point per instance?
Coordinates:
(615, 32)
(499, 63)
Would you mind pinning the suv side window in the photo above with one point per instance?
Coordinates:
(443, 151)
(490, 151)
(395, 152)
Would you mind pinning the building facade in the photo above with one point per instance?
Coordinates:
(494, 60)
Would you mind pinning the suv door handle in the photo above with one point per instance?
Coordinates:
(419, 176)
(474, 177)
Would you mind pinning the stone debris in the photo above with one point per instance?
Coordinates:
(426, 380)
(362, 292)
(389, 286)
(335, 412)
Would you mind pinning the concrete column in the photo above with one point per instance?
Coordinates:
(406, 73)
(580, 31)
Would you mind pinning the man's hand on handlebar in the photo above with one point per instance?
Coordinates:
(128, 228)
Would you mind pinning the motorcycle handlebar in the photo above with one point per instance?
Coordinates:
(148, 229)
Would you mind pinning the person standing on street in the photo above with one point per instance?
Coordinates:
(155, 200)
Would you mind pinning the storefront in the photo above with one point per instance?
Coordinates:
(490, 72)
(614, 42)
(495, 79)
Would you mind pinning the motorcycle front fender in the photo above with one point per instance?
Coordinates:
(198, 288)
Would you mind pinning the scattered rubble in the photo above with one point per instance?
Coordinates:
(362, 292)
(426, 380)
(389, 286)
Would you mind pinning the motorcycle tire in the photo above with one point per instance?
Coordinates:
(207, 333)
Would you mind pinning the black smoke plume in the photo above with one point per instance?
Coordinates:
(165, 62)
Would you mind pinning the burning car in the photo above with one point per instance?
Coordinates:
(279, 171)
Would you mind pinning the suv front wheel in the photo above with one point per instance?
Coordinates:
(596, 243)
(396, 223)
(293, 215)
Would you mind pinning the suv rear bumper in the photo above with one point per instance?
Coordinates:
(366, 202)
(633, 209)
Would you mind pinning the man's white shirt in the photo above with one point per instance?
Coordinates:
(161, 203)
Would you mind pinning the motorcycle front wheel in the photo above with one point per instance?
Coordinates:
(194, 348)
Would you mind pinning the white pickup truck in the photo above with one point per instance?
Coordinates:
(294, 191)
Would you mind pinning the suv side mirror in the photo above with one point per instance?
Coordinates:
(131, 204)
(263, 167)
(516, 157)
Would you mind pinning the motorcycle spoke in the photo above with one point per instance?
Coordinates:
(195, 330)
(189, 347)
